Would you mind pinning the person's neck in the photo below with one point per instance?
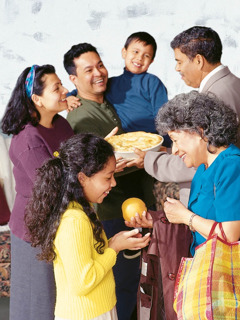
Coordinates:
(207, 68)
(46, 121)
(213, 156)
(97, 98)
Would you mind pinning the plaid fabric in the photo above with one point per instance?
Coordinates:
(5, 267)
(208, 285)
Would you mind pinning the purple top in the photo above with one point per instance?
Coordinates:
(28, 151)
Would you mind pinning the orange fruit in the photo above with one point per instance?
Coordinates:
(132, 206)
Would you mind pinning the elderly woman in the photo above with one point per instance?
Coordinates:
(203, 130)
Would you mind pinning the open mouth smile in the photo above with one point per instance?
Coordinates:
(99, 81)
(137, 64)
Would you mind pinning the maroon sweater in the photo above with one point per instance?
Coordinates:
(28, 151)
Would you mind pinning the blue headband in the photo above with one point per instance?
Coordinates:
(30, 80)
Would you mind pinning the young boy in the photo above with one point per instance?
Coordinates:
(136, 95)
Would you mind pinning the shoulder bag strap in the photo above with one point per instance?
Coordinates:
(221, 229)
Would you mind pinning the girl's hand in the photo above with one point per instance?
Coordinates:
(176, 212)
(132, 240)
(73, 103)
(140, 222)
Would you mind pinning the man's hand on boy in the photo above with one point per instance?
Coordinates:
(73, 103)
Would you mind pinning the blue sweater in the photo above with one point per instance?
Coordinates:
(215, 191)
(137, 99)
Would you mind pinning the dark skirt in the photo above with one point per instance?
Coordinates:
(33, 291)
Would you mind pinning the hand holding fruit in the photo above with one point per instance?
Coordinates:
(135, 214)
(132, 206)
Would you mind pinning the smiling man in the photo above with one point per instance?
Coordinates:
(198, 52)
(89, 75)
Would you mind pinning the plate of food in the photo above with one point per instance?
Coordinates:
(125, 143)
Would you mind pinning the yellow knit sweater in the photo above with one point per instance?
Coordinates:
(84, 278)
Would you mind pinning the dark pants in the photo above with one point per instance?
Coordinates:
(126, 273)
(33, 290)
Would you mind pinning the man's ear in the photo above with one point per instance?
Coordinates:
(36, 100)
(124, 51)
(73, 78)
(199, 60)
(82, 178)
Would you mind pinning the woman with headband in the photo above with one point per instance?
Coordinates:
(32, 118)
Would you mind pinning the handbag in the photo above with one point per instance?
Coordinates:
(208, 285)
(159, 265)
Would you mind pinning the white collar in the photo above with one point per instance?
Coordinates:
(209, 75)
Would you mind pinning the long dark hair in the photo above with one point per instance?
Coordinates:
(20, 109)
(57, 185)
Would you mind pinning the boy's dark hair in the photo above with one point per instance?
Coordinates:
(75, 52)
(199, 40)
(144, 37)
(20, 109)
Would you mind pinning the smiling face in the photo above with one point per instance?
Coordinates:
(53, 98)
(190, 70)
(98, 186)
(138, 57)
(190, 147)
(91, 76)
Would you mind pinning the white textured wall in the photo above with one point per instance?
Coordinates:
(41, 31)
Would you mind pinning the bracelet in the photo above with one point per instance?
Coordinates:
(190, 222)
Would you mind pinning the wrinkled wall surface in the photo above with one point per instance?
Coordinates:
(41, 31)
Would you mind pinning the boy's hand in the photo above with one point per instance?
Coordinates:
(73, 103)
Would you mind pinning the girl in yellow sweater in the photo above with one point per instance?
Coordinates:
(62, 222)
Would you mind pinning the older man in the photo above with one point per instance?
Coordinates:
(198, 52)
(89, 75)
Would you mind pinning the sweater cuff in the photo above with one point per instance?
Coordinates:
(108, 259)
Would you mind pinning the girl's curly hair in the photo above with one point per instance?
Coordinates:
(57, 184)
(203, 113)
